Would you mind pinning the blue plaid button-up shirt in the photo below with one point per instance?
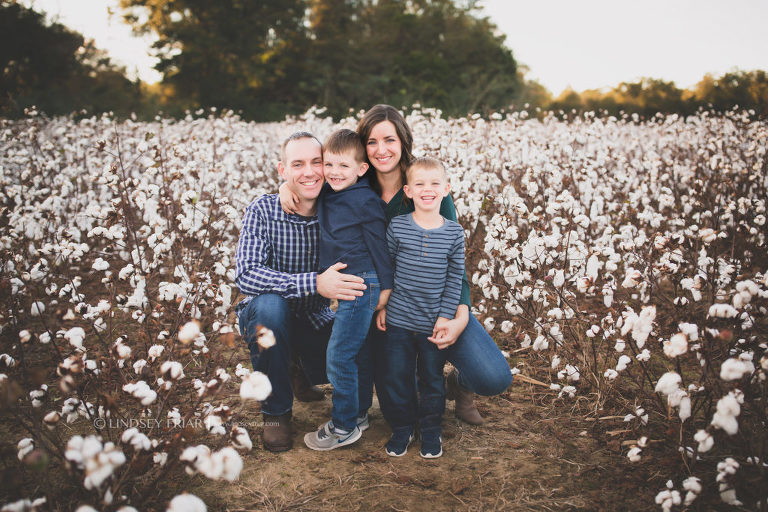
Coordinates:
(278, 253)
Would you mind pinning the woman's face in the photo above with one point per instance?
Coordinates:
(384, 147)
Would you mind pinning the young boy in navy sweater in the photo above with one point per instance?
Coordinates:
(352, 231)
(428, 252)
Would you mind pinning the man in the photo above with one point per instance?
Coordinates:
(277, 260)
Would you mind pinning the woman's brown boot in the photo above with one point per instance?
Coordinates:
(465, 401)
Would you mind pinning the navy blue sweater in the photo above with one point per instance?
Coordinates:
(353, 230)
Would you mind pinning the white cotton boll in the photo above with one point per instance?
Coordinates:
(632, 278)
(610, 374)
(139, 365)
(232, 463)
(622, 363)
(620, 346)
(507, 326)
(100, 264)
(155, 351)
(37, 308)
(593, 266)
(693, 486)
(86, 508)
(265, 337)
(567, 390)
(634, 454)
(25, 336)
(255, 386)
(728, 409)
(559, 279)
(540, 343)
(728, 495)
(214, 425)
(707, 235)
(555, 387)
(642, 327)
(734, 369)
(489, 324)
(722, 311)
(685, 408)
(690, 330)
(667, 499)
(189, 332)
(675, 346)
(75, 337)
(555, 361)
(173, 369)
(45, 338)
(186, 503)
(644, 355)
(240, 439)
(572, 373)
(705, 440)
(668, 383)
(25, 446)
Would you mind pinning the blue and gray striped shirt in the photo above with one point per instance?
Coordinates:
(429, 265)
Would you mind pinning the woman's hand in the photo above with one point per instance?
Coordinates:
(446, 332)
(288, 200)
(381, 320)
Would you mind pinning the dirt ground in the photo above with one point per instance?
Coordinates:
(525, 457)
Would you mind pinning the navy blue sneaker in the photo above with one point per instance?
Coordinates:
(397, 446)
(431, 444)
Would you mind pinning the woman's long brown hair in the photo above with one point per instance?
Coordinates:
(374, 116)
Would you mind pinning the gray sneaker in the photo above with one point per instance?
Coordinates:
(362, 422)
(326, 439)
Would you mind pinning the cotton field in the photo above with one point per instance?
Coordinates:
(621, 262)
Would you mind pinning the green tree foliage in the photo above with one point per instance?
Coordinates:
(53, 68)
(269, 58)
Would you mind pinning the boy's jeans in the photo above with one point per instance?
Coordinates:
(403, 348)
(348, 357)
(292, 333)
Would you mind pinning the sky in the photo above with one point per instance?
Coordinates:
(582, 44)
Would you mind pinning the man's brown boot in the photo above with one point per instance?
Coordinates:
(277, 432)
(302, 389)
(465, 402)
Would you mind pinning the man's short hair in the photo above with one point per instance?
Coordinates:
(298, 136)
(425, 162)
(344, 140)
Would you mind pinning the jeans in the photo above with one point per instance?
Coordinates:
(481, 365)
(292, 333)
(410, 353)
(348, 356)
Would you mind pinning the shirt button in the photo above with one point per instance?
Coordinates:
(425, 254)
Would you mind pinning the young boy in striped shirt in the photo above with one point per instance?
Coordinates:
(428, 254)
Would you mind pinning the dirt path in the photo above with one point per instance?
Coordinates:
(523, 458)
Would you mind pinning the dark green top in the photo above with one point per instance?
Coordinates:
(401, 205)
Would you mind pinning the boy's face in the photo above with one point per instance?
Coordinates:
(302, 168)
(426, 187)
(342, 170)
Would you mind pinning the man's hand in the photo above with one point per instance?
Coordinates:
(446, 332)
(288, 200)
(332, 284)
(381, 320)
(383, 299)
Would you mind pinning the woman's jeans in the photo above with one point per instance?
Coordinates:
(410, 353)
(348, 356)
(481, 365)
(292, 333)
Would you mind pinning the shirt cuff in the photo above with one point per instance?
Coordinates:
(306, 284)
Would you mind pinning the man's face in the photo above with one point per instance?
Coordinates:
(302, 168)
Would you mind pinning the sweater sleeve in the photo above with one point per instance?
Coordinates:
(453, 281)
(374, 228)
(448, 210)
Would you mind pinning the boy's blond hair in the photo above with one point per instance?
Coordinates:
(343, 141)
(425, 162)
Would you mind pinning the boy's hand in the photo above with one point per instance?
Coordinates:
(383, 299)
(381, 320)
(288, 200)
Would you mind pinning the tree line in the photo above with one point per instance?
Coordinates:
(269, 58)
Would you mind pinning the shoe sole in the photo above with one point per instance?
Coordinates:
(430, 456)
(395, 454)
(351, 439)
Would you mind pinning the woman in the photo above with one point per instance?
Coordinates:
(479, 365)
